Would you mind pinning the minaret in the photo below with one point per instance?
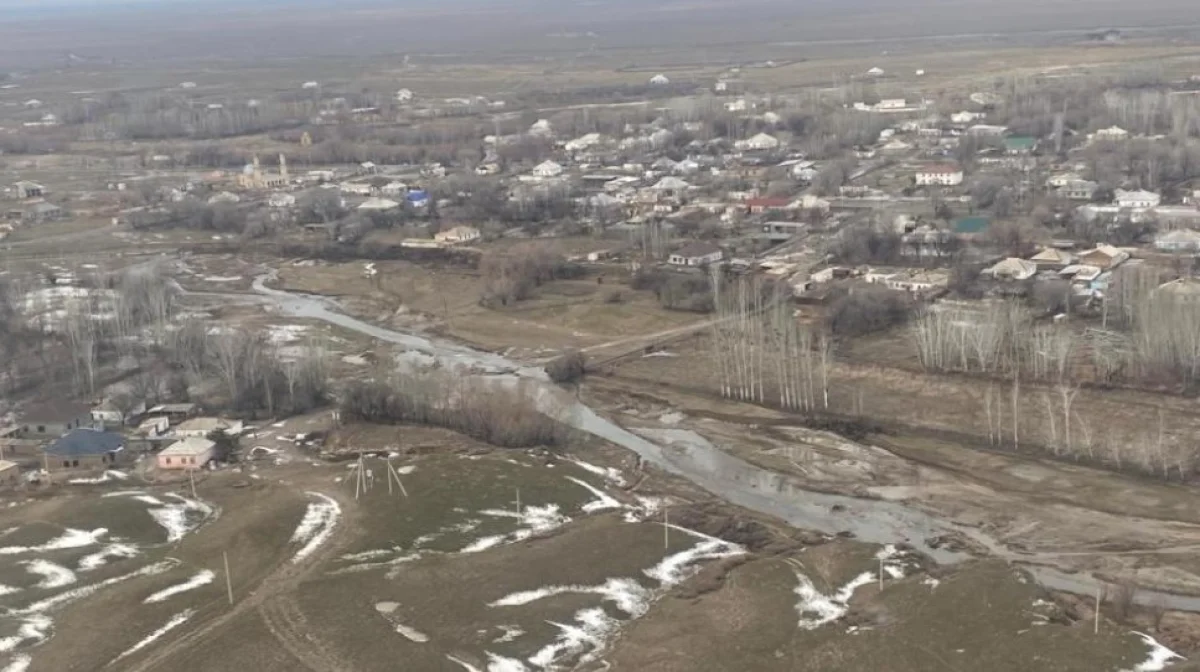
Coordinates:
(283, 166)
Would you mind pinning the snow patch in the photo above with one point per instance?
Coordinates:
(34, 628)
(180, 518)
(110, 475)
(203, 578)
(607, 473)
(100, 558)
(534, 520)
(412, 634)
(674, 569)
(601, 503)
(315, 528)
(70, 538)
(18, 663)
(74, 594)
(176, 621)
(53, 575)
(510, 633)
(1158, 658)
(816, 609)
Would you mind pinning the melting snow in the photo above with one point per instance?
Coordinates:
(18, 663)
(8, 590)
(100, 558)
(934, 583)
(602, 501)
(534, 520)
(53, 575)
(83, 591)
(71, 538)
(204, 578)
(412, 634)
(34, 628)
(174, 518)
(110, 475)
(817, 609)
(608, 473)
(511, 632)
(316, 526)
(176, 621)
(1158, 658)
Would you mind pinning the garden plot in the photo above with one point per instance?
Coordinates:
(112, 539)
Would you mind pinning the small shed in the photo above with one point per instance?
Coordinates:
(10, 473)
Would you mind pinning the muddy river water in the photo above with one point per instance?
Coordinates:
(688, 455)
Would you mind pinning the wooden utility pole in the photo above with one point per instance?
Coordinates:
(666, 530)
(228, 580)
(881, 574)
(192, 481)
(1096, 624)
(518, 501)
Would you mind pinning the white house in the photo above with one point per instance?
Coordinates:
(660, 80)
(309, 85)
(202, 427)
(891, 104)
(404, 96)
(987, 130)
(760, 142)
(1180, 240)
(541, 127)
(547, 169)
(944, 175)
(355, 188)
(584, 142)
(394, 189)
(875, 72)
(965, 117)
(378, 205)
(187, 85)
(458, 234)
(1053, 258)
(1140, 199)
(281, 200)
(1112, 133)
(696, 254)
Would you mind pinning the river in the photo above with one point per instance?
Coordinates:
(690, 456)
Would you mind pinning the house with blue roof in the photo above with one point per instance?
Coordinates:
(86, 448)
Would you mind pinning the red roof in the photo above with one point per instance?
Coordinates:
(768, 202)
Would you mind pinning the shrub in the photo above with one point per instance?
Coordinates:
(567, 368)
(492, 412)
(865, 311)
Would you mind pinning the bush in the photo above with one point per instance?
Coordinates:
(494, 413)
(614, 296)
(865, 311)
(567, 368)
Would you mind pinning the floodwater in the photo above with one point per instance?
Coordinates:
(688, 455)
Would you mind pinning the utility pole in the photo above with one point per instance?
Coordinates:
(228, 580)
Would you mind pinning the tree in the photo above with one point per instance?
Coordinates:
(568, 367)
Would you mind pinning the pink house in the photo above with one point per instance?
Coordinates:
(190, 453)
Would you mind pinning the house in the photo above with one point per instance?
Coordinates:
(1060, 180)
(41, 212)
(25, 189)
(1080, 273)
(778, 232)
(584, 142)
(918, 282)
(1139, 199)
(1111, 134)
(190, 453)
(55, 418)
(1179, 240)
(202, 427)
(547, 169)
(891, 104)
(309, 85)
(945, 175)
(1176, 216)
(987, 130)
(1104, 257)
(659, 80)
(757, 143)
(458, 234)
(696, 254)
(1180, 289)
(1012, 269)
(1051, 258)
(153, 427)
(254, 178)
(1079, 190)
(174, 412)
(895, 146)
(875, 72)
(281, 200)
(375, 204)
(107, 414)
(757, 206)
(355, 188)
(965, 117)
(85, 448)
(1019, 144)
(404, 96)
(10, 474)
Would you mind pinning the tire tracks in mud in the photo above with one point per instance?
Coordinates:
(272, 600)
